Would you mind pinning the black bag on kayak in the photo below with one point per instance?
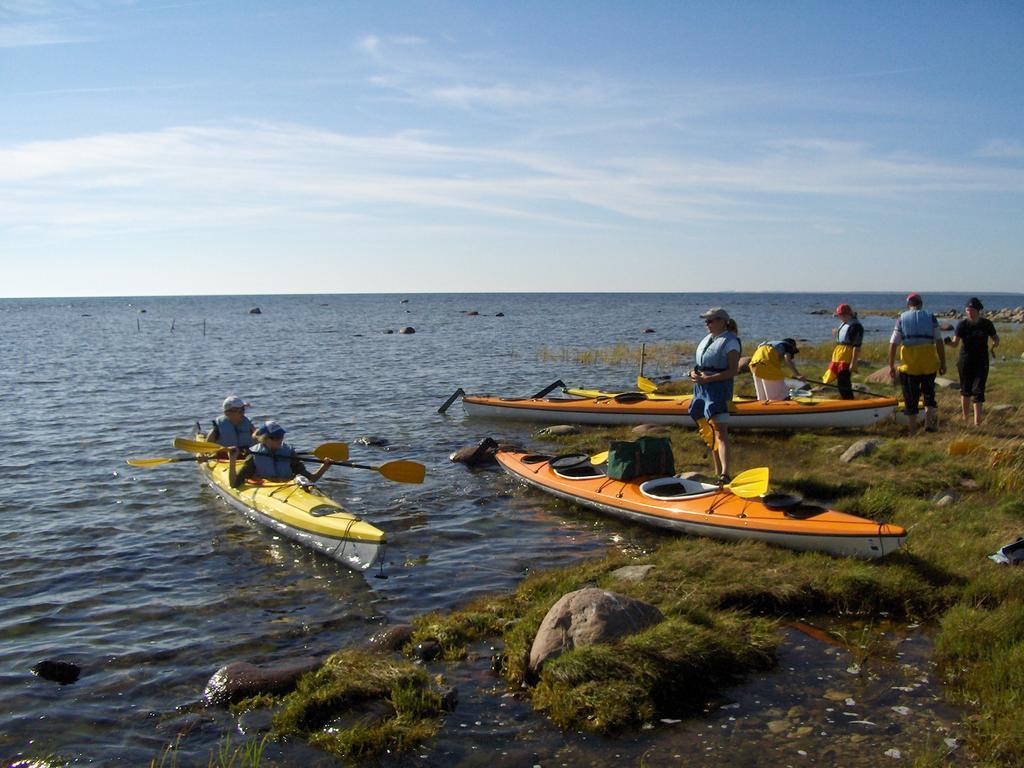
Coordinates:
(646, 456)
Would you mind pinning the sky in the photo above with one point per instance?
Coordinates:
(311, 146)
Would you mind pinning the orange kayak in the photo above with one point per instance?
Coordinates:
(702, 509)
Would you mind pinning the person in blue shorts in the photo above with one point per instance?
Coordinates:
(717, 361)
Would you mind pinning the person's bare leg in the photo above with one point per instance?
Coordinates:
(722, 438)
(977, 414)
(965, 405)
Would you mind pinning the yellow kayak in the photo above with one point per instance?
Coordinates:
(299, 511)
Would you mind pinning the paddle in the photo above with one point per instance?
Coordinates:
(646, 385)
(866, 392)
(750, 484)
(158, 462)
(707, 433)
(401, 471)
(334, 451)
(599, 458)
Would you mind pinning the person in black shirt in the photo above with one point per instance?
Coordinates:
(974, 331)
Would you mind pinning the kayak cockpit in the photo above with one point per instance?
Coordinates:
(668, 488)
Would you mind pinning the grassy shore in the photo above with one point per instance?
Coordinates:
(723, 602)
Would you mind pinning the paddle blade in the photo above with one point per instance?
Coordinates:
(750, 484)
(645, 385)
(403, 471)
(599, 458)
(148, 462)
(332, 451)
(196, 446)
(707, 433)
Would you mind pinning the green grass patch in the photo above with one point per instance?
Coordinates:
(325, 706)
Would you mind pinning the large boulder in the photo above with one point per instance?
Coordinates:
(943, 383)
(240, 680)
(588, 616)
(881, 376)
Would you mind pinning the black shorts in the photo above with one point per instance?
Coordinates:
(916, 387)
(973, 377)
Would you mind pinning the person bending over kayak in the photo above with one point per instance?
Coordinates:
(766, 368)
(717, 363)
(270, 459)
(849, 336)
(233, 428)
(921, 356)
(974, 332)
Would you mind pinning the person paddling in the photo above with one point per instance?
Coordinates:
(270, 459)
(233, 429)
(717, 363)
(849, 336)
(766, 368)
(921, 355)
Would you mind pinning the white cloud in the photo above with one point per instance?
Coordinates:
(229, 175)
(1010, 149)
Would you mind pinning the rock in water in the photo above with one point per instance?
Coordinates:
(391, 638)
(63, 672)
(240, 680)
(588, 616)
(253, 311)
(407, 329)
(475, 455)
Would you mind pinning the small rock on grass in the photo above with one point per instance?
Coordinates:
(559, 430)
(860, 448)
(943, 383)
(945, 498)
(650, 429)
(632, 573)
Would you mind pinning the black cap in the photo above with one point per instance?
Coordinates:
(974, 303)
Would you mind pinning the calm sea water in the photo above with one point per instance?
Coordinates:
(150, 583)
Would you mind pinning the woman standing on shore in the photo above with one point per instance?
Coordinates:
(717, 363)
(974, 331)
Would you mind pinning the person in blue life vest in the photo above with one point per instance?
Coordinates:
(717, 361)
(233, 429)
(270, 459)
(922, 355)
(849, 336)
(766, 368)
(975, 332)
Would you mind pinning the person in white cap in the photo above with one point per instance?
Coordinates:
(717, 361)
(233, 428)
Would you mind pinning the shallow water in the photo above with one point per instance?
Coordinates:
(149, 582)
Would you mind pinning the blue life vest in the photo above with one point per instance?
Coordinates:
(229, 435)
(273, 466)
(917, 327)
(713, 352)
(845, 333)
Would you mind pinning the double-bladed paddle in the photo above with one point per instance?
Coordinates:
(400, 471)
(336, 452)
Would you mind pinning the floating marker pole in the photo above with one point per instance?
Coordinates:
(138, 325)
(172, 325)
(204, 327)
(643, 354)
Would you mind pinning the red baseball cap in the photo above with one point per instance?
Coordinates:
(843, 309)
(914, 298)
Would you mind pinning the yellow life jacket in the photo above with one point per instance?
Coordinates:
(919, 359)
(842, 360)
(765, 364)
